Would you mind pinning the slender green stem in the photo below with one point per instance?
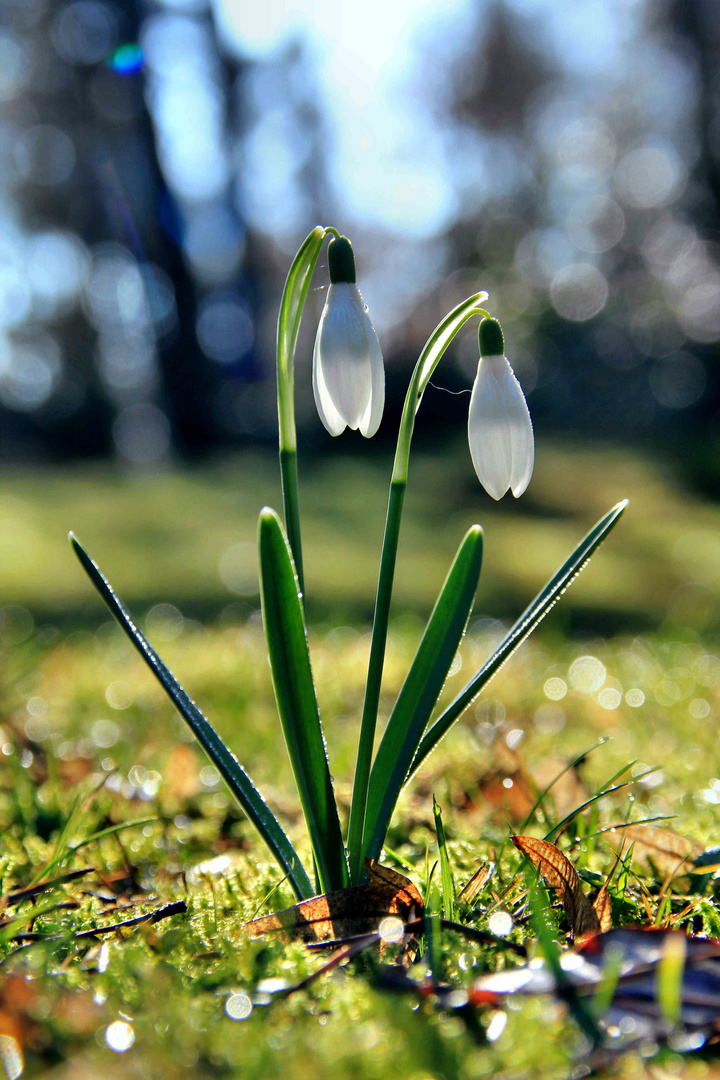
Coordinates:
(374, 679)
(291, 507)
(428, 360)
(297, 286)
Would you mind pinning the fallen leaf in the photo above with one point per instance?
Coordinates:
(603, 908)
(561, 875)
(356, 910)
(476, 883)
(505, 788)
(181, 775)
(666, 850)
(18, 1000)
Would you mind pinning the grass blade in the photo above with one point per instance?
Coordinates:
(446, 878)
(540, 915)
(556, 830)
(421, 689)
(224, 761)
(286, 637)
(541, 796)
(527, 622)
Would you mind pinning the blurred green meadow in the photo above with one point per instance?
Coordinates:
(624, 676)
(187, 537)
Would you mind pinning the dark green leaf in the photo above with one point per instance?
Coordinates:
(446, 879)
(421, 689)
(224, 761)
(527, 622)
(286, 637)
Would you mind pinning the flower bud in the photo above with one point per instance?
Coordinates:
(500, 430)
(348, 373)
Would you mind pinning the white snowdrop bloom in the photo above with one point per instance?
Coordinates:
(348, 373)
(500, 430)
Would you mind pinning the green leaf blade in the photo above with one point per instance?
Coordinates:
(446, 878)
(286, 637)
(224, 761)
(421, 689)
(530, 618)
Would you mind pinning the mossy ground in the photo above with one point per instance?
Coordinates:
(89, 743)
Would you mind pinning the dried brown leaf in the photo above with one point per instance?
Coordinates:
(668, 851)
(603, 908)
(181, 775)
(356, 910)
(476, 883)
(561, 875)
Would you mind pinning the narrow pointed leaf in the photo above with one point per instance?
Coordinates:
(287, 643)
(224, 761)
(446, 878)
(421, 689)
(527, 622)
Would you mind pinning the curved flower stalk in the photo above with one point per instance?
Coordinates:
(348, 376)
(500, 430)
(292, 304)
(428, 360)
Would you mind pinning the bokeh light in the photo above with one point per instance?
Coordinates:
(142, 434)
(85, 31)
(157, 172)
(579, 291)
(120, 1036)
(224, 328)
(127, 59)
(45, 155)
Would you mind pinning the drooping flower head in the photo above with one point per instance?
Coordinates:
(500, 430)
(348, 374)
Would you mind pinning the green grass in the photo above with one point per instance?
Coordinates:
(172, 980)
(162, 537)
(89, 742)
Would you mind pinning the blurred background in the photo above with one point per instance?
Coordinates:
(161, 161)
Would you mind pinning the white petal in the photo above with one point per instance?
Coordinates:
(521, 432)
(327, 412)
(373, 414)
(343, 355)
(489, 432)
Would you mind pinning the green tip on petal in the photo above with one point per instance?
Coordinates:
(490, 338)
(341, 261)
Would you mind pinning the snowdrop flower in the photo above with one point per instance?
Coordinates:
(348, 375)
(500, 431)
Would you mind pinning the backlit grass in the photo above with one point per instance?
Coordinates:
(90, 744)
(188, 538)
